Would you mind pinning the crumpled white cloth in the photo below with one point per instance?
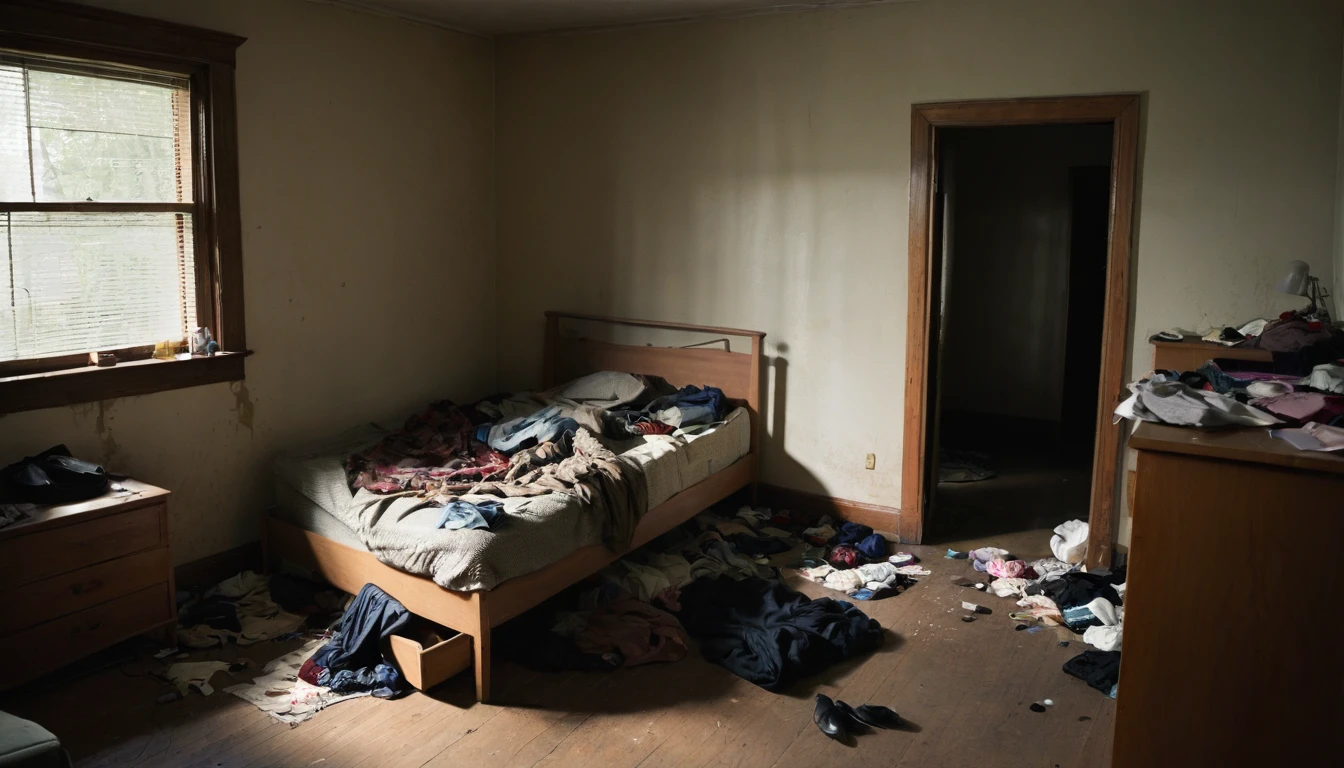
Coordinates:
(1070, 541)
(1326, 376)
(873, 576)
(1050, 568)
(1009, 587)
(1104, 638)
(280, 693)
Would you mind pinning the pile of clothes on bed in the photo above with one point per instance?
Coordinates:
(533, 444)
(712, 579)
(473, 495)
(1303, 384)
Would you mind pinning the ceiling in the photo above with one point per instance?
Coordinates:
(509, 17)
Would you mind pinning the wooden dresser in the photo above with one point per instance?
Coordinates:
(77, 578)
(1231, 650)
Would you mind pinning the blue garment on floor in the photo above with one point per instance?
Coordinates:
(873, 546)
(383, 681)
(544, 426)
(850, 534)
(357, 647)
(458, 515)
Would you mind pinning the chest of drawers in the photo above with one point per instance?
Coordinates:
(76, 578)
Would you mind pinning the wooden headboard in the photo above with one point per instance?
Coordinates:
(737, 374)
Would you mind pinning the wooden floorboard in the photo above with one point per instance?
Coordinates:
(964, 687)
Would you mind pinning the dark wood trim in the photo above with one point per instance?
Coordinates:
(210, 570)
(138, 377)
(1115, 333)
(33, 366)
(225, 209)
(550, 313)
(1121, 110)
(884, 520)
(97, 208)
(113, 31)
(917, 321)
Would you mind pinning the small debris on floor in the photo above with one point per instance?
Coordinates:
(1063, 643)
(1033, 630)
(953, 554)
(980, 609)
(1037, 707)
(1048, 702)
(968, 619)
(1083, 718)
(1019, 627)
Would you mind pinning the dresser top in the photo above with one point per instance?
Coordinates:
(1250, 444)
(135, 494)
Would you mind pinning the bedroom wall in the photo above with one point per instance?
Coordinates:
(755, 173)
(1337, 293)
(366, 150)
(1008, 292)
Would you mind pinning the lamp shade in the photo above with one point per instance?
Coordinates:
(1297, 280)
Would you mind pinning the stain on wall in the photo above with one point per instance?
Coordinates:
(366, 159)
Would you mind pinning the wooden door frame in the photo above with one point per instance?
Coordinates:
(1122, 112)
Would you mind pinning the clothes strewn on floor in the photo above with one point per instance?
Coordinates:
(764, 632)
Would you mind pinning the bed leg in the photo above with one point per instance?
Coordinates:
(481, 644)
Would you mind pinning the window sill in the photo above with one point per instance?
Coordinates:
(138, 377)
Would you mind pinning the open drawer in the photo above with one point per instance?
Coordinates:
(426, 664)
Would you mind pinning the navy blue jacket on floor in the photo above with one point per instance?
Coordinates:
(764, 632)
(357, 646)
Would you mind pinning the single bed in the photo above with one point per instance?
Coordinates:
(502, 579)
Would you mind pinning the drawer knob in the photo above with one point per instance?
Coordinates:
(89, 586)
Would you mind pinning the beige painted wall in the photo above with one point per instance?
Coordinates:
(1337, 297)
(368, 212)
(755, 173)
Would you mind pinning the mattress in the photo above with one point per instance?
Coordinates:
(311, 493)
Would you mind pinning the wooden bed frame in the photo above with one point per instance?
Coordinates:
(474, 613)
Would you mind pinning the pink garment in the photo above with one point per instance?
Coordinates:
(642, 633)
(1006, 569)
(1302, 406)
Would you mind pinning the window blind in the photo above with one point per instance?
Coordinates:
(75, 275)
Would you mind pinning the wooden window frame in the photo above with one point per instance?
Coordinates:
(207, 59)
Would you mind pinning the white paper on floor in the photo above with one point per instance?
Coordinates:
(280, 693)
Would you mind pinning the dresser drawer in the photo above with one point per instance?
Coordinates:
(40, 649)
(57, 596)
(25, 559)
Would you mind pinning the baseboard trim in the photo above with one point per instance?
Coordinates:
(884, 520)
(210, 570)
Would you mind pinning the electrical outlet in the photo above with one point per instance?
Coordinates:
(870, 462)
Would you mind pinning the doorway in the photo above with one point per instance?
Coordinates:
(1019, 272)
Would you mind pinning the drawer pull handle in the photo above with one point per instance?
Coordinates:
(90, 586)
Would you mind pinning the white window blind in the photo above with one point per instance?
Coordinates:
(96, 238)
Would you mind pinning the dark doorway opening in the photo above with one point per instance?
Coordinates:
(1021, 218)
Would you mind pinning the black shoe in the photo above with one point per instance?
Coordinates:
(829, 719)
(849, 719)
(878, 716)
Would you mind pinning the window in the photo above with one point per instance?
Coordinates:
(119, 224)
(96, 211)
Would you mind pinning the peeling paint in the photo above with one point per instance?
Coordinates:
(242, 403)
(106, 441)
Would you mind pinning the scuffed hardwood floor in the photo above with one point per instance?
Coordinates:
(965, 687)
